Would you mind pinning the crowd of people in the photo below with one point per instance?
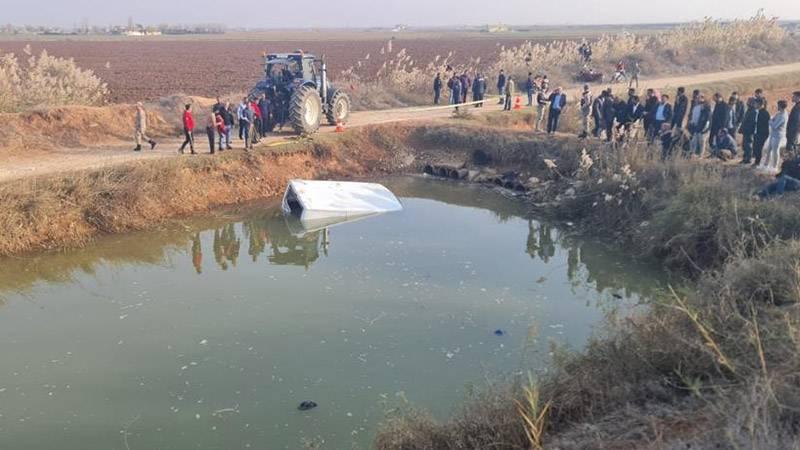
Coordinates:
(696, 126)
(248, 116)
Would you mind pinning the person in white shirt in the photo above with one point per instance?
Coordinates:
(777, 139)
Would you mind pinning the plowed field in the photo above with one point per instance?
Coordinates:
(148, 69)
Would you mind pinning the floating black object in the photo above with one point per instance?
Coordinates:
(617, 296)
(306, 405)
(499, 332)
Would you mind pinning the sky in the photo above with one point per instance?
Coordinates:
(366, 13)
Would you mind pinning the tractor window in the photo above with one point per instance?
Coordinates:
(284, 71)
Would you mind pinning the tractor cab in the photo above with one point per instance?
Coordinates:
(291, 68)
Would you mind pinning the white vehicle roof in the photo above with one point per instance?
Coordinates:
(320, 202)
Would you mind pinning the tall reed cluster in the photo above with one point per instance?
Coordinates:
(45, 80)
(704, 45)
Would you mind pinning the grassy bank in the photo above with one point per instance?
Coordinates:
(712, 366)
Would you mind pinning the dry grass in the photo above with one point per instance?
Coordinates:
(700, 46)
(45, 80)
(712, 365)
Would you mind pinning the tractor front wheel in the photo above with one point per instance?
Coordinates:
(305, 110)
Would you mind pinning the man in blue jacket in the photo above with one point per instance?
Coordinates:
(558, 101)
(530, 87)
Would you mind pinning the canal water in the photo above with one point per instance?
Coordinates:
(209, 334)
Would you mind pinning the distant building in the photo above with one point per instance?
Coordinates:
(499, 28)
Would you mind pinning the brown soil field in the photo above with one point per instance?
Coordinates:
(149, 69)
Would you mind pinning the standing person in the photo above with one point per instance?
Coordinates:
(681, 108)
(256, 123)
(541, 104)
(466, 83)
(620, 74)
(597, 113)
(609, 114)
(241, 116)
(509, 93)
(529, 88)
(218, 106)
(586, 109)
(188, 129)
(437, 88)
(250, 112)
(227, 124)
(244, 122)
(762, 130)
(650, 104)
(748, 130)
(719, 118)
(737, 106)
(455, 90)
(661, 117)
(140, 128)
(263, 106)
(734, 116)
(793, 124)
(501, 86)
(637, 71)
(478, 90)
(212, 125)
(699, 121)
(695, 99)
(558, 101)
(777, 138)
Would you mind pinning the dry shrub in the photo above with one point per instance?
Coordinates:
(46, 81)
(706, 45)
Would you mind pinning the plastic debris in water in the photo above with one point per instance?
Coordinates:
(499, 332)
(306, 405)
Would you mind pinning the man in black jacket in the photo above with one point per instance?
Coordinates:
(761, 131)
(437, 88)
(737, 106)
(650, 104)
(719, 118)
(699, 119)
(609, 113)
(681, 107)
(748, 130)
(597, 113)
(793, 124)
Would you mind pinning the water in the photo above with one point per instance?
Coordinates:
(208, 335)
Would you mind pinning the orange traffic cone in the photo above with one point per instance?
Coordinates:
(518, 103)
(339, 127)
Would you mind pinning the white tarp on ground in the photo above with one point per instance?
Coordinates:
(321, 202)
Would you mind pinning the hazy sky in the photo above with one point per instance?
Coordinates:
(357, 13)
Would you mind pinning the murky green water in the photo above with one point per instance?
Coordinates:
(208, 336)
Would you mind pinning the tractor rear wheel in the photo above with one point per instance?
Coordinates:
(338, 107)
(305, 110)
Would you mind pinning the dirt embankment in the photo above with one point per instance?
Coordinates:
(69, 208)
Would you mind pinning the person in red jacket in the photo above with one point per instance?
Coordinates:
(188, 127)
(256, 130)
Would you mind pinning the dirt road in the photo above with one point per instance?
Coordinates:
(70, 159)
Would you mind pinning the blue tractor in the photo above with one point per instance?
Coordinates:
(297, 87)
